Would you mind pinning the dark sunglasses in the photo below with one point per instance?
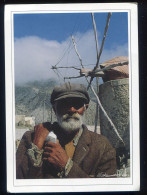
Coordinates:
(70, 102)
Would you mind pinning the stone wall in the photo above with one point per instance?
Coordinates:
(114, 96)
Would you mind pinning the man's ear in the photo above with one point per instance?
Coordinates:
(86, 105)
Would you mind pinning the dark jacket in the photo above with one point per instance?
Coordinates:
(93, 157)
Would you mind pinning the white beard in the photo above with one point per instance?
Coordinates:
(70, 123)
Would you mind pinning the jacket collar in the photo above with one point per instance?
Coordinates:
(83, 146)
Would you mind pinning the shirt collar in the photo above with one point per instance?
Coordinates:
(77, 137)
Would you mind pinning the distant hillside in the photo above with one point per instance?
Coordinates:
(33, 99)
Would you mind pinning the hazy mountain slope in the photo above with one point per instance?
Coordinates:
(33, 99)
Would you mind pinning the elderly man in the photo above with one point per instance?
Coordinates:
(77, 153)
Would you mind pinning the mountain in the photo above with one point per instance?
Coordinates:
(33, 99)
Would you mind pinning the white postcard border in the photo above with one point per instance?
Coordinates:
(72, 185)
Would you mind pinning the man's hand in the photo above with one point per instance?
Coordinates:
(55, 154)
(41, 132)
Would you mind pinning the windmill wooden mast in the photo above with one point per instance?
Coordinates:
(95, 72)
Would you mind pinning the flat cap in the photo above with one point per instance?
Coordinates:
(69, 90)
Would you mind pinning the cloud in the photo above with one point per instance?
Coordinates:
(34, 57)
(117, 50)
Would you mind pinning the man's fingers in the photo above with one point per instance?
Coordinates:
(45, 158)
(41, 127)
(49, 159)
(52, 143)
(48, 149)
(46, 154)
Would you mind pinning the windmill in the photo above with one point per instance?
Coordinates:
(96, 72)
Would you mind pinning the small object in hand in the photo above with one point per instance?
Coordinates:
(51, 137)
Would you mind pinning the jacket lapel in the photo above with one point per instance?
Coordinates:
(82, 148)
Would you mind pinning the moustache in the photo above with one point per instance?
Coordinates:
(75, 116)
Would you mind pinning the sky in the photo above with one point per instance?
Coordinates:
(44, 40)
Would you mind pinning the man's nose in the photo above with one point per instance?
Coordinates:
(72, 109)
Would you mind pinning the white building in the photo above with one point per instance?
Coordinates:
(30, 121)
(23, 120)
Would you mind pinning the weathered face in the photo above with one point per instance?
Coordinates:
(70, 113)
